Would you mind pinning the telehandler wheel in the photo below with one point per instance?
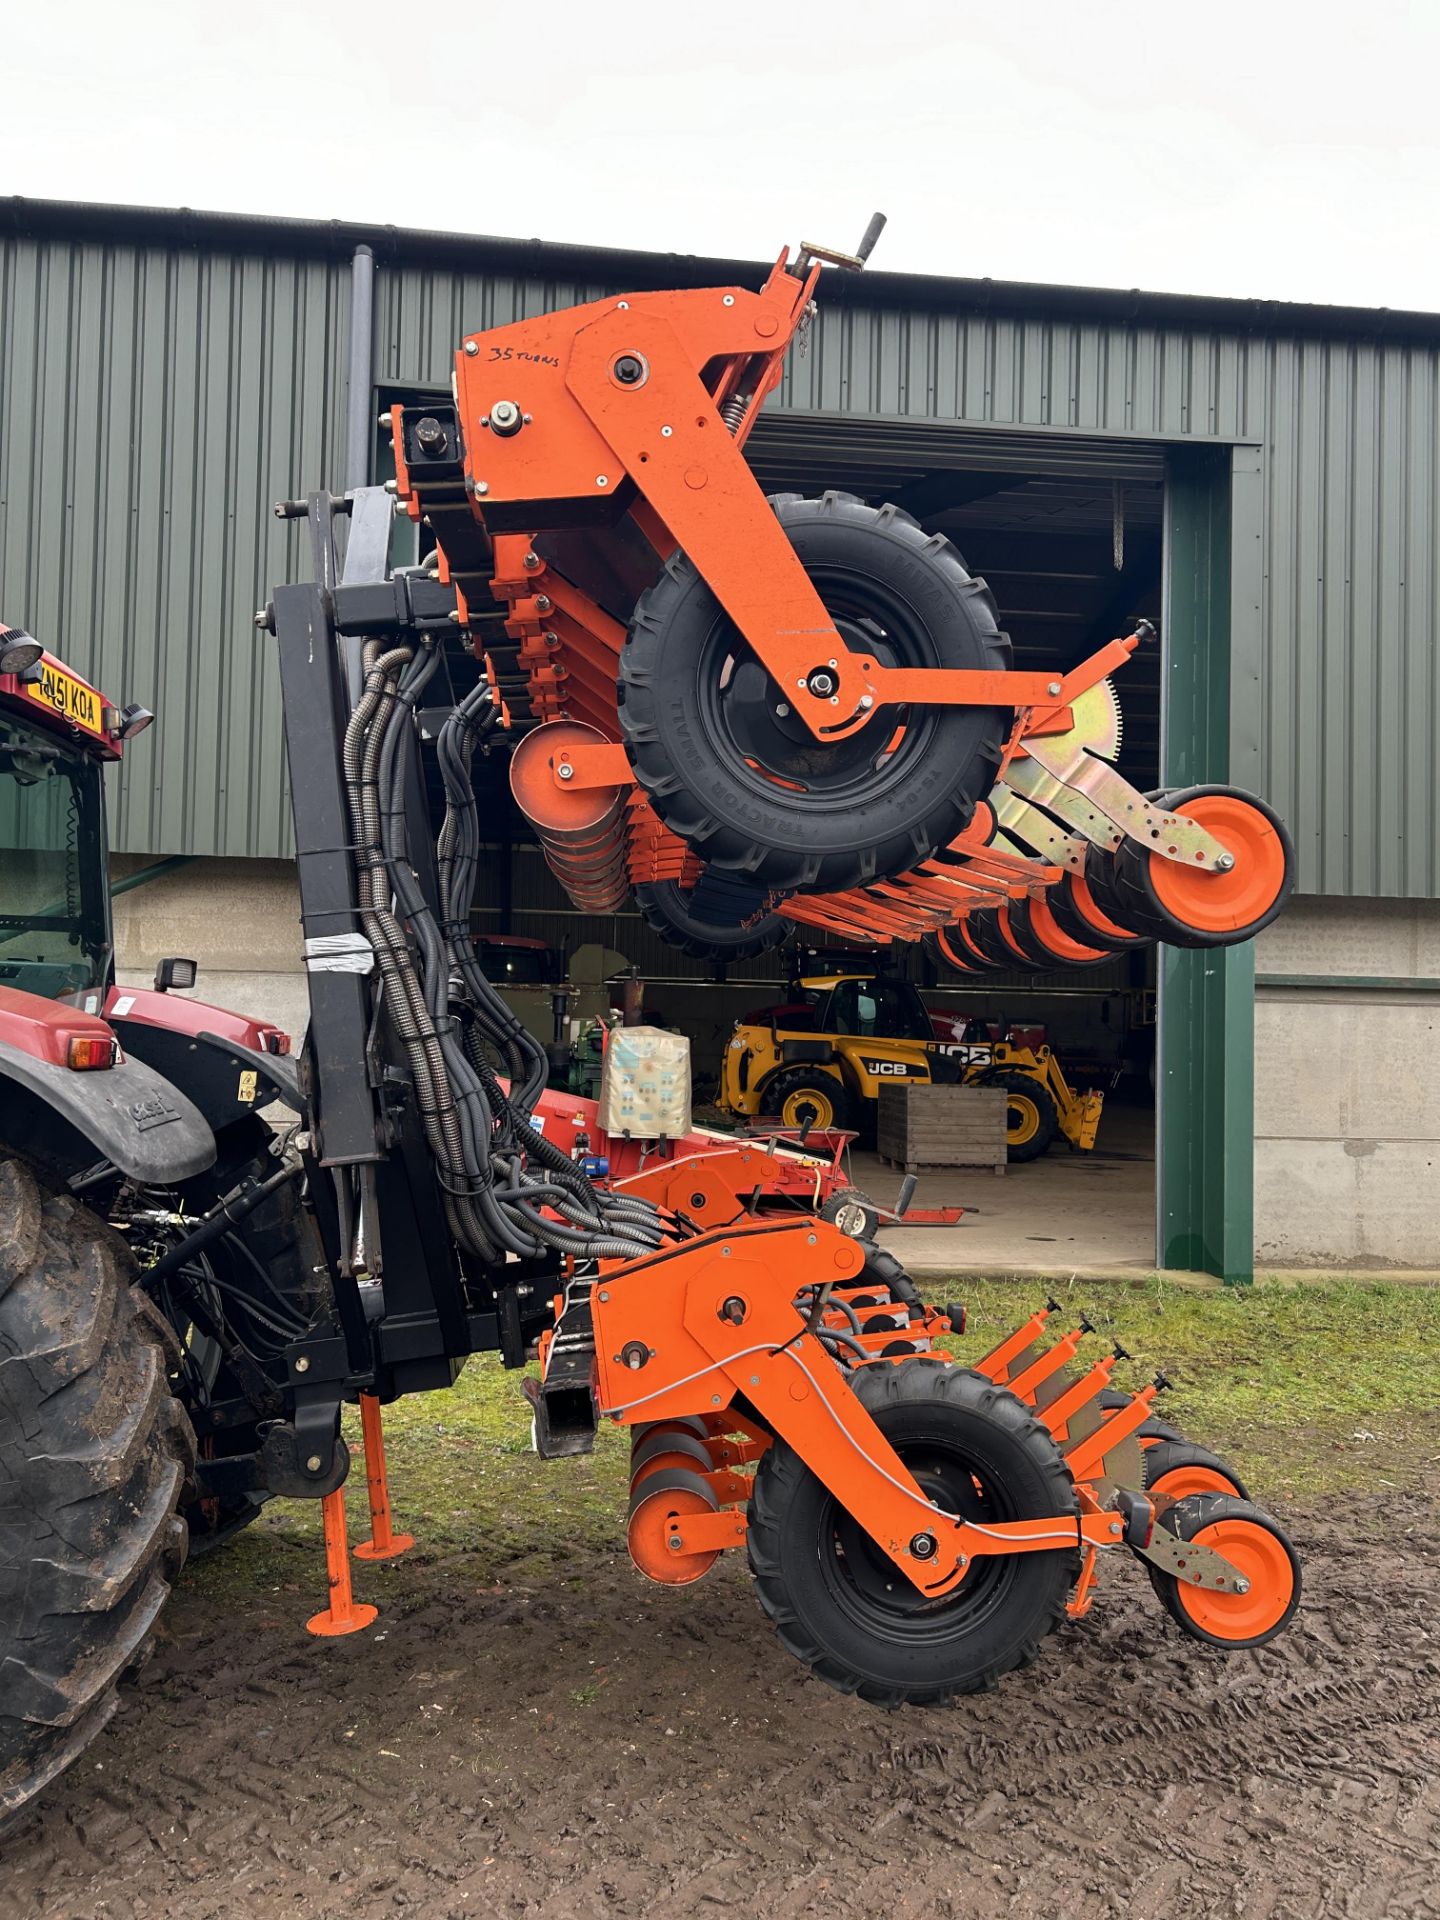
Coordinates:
(666, 906)
(807, 1096)
(731, 769)
(1257, 1546)
(1194, 908)
(1032, 1121)
(95, 1454)
(841, 1606)
(1177, 1468)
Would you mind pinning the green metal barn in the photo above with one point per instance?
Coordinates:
(1265, 478)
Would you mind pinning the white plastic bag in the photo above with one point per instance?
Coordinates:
(645, 1083)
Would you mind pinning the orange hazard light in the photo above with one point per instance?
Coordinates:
(88, 1052)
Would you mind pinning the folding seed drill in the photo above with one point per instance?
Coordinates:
(750, 715)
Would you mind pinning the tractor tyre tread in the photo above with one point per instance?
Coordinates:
(664, 908)
(95, 1457)
(726, 823)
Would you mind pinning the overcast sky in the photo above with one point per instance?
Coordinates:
(1283, 150)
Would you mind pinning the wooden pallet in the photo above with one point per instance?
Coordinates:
(930, 1129)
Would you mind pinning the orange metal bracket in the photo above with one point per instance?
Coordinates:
(715, 1317)
(383, 1544)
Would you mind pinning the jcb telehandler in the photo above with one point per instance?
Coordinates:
(821, 1059)
(754, 713)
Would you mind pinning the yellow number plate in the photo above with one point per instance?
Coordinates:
(67, 696)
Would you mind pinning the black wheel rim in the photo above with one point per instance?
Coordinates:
(740, 706)
(873, 1592)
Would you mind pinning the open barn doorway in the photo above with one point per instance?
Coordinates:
(1069, 533)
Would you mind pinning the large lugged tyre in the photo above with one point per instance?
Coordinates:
(94, 1455)
(808, 1097)
(666, 906)
(1031, 1119)
(730, 768)
(839, 1605)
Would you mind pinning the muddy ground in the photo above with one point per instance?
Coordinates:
(587, 1745)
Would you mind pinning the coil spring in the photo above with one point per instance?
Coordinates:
(734, 410)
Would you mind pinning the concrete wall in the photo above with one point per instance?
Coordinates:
(1347, 1086)
(239, 919)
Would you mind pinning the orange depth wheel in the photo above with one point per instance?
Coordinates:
(677, 1492)
(1178, 1468)
(1051, 934)
(1225, 903)
(1257, 1549)
(1180, 1481)
(1263, 1558)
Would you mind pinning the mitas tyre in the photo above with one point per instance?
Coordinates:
(844, 1609)
(736, 774)
(95, 1454)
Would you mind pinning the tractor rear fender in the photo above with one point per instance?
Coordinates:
(228, 1064)
(127, 1114)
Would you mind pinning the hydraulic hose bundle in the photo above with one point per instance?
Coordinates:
(507, 1190)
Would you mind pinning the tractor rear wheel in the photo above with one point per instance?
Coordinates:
(95, 1454)
(731, 769)
(843, 1608)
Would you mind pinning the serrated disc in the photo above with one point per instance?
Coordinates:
(1096, 725)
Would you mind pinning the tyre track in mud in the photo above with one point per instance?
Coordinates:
(593, 1747)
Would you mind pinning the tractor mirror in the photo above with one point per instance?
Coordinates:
(175, 973)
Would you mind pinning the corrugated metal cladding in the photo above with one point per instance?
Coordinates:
(154, 404)
(159, 391)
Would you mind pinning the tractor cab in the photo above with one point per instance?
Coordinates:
(57, 734)
(58, 995)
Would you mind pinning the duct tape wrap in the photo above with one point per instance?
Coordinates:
(339, 953)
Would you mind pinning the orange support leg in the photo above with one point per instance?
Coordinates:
(344, 1614)
(382, 1544)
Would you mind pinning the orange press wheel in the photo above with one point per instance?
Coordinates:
(1257, 1547)
(1197, 908)
(662, 1449)
(659, 1506)
(1177, 1469)
(691, 1423)
(1083, 917)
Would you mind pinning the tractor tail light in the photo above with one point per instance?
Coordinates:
(275, 1041)
(88, 1053)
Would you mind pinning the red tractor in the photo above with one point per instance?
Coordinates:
(126, 1117)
